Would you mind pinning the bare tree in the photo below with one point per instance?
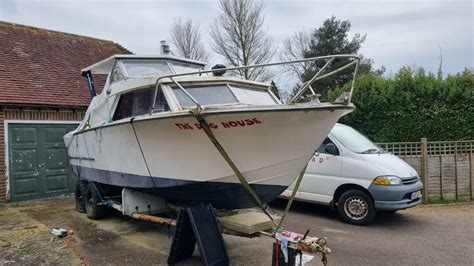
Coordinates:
(238, 35)
(294, 48)
(186, 36)
(440, 67)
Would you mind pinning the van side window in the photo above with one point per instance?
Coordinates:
(134, 103)
(322, 148)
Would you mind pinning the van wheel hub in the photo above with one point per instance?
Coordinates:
(356, 208)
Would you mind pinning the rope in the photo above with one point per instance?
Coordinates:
(141, 151)
(87, 149)
(293, 194)
(98, 192)
(229, 161)
(77, 155)
(100, 139)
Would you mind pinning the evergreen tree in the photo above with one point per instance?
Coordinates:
(330, 39)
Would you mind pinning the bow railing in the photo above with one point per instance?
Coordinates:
(354, 61)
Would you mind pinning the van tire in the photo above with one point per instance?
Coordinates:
(93, 203)
(356, 207)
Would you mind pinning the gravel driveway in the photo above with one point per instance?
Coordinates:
(423, 235)
(436, 234)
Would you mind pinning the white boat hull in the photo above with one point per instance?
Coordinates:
(172, 157)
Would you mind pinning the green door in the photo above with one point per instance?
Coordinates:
(38, 161)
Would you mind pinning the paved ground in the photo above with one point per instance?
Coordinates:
(441, 234)
(424, 235)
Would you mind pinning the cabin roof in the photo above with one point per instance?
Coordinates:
(104, 66)
(213, 79)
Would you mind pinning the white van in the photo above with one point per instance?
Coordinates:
(352, 174)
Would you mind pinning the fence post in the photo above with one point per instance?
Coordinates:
(456, 168)
(424, 168)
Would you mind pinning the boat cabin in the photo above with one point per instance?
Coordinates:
(158, 85)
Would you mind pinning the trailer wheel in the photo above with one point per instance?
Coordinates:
(79, 192)
(356, 207)
(94, 209)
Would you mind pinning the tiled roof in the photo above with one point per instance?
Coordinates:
(43, 67)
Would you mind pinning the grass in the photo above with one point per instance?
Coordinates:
(447, 201)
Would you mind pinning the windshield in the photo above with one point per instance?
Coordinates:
(252, 96)
(353, 140)
(136, 68)
(223, 94)
(180, 67)
(205, 95)
(155, 67)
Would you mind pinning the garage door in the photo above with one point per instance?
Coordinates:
(38, 161)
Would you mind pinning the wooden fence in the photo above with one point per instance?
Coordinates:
(445, 167)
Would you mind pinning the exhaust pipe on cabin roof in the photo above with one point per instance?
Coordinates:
(164, 48)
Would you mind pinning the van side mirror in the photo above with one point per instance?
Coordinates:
(331, 149)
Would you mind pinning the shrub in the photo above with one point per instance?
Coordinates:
(411, 105)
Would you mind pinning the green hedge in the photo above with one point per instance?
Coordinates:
(411, 105)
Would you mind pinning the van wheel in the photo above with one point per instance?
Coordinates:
(79, 192)
(356, 207)
(93, 203)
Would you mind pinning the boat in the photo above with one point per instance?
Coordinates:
(146, 130)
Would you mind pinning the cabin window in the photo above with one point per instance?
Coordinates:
(181, 67)
(252, 96)
(134, 103)
(205, 95)
(117, 75)
(161, 105)
(139, 68)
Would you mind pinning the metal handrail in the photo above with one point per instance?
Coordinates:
(316, 77)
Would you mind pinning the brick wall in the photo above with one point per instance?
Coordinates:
(10, 113)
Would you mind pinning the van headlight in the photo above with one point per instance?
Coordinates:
(387, 180)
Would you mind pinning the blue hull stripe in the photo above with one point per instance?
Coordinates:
(221, 195)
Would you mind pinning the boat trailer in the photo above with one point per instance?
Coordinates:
(204, 226)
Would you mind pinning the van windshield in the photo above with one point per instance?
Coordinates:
(354, 141)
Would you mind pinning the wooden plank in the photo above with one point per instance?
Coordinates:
(448, 177)
(463, 176)
(248, 223)
(414, 162)
(434, 177)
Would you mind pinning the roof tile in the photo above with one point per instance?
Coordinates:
(43, 67)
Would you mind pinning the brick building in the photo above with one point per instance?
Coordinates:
(42, 96)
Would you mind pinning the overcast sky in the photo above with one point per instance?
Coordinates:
(398, 32)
